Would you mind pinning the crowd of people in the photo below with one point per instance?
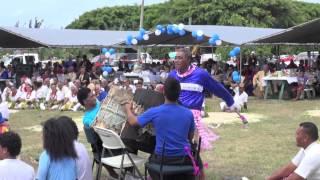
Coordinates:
(75, 85)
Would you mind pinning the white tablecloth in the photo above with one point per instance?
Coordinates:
(290, 80)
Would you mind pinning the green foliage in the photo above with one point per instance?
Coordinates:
(255, 13)
(252, 13)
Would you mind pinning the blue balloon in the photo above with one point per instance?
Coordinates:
(236, 50)
(163, 30)
(199, 38)
(104, 50)
(232, 53)
(159, 27)
(236, 76)
(139, 37)
(212, 41)
(104, 68)
(175, 29)
(169, 30)
(109, 69)
(142, 31)
(215, 37)
(128, 43)
(129, 38)
(112, 51)
(182, 32)
(194, 34)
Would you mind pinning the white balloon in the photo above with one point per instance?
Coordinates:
(107, 54)
(157, 32)
(134, 41)
(218, 42)
(146, 37)
(199, 33)
(181, 26)
(105, 74)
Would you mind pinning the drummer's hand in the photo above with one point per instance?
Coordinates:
(128, 107)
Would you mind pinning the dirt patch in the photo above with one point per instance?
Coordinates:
(227, 118)
(313, 113)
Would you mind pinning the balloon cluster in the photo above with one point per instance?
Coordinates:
(134, 40)
(106, 71)
(215, 40)
(234, 52)
(107, 52)
(198, 35)
(171, 29)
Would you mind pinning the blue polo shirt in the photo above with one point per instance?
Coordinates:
(48, 169)
(90, 116)
(172, 124)
(102, 95)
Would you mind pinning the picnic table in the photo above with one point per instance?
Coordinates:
(283, 79)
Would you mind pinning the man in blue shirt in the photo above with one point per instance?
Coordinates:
(174, 127)
(87, 99)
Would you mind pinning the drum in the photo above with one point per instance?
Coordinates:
(111, 114)
(143, 100)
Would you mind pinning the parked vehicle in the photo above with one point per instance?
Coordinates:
(26, 58)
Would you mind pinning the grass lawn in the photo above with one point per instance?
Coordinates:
(254, 152)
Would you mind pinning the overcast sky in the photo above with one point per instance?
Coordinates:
(57, 13)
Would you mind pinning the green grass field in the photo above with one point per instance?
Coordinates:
(254, 152)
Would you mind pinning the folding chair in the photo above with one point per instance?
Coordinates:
(94, 141)
(112, 140)
(162, 169)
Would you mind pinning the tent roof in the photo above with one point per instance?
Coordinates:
(301, 34)
(12, 37)
(235, 35)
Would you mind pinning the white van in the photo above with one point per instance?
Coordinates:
(206, 57)
(26, 58)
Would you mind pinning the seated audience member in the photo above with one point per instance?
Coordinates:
(40, 95)
(302, 80)
(58, 160)
(71, 101)
(72, 76)
(7, 90)
(306, 163)
(240, 98)
(55, 98)
(10, 166)
(100, 93)
(84, 77)
(94, 73)
(27, 98)
(13, 97)
(83, 162)
(258, 82)
(51, 98)
(174, 127)
(4, 110)
(3, 72)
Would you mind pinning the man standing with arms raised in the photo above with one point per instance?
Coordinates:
(194, 81)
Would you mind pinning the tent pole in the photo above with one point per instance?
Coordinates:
(240, 65)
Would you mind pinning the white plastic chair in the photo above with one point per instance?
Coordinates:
(112, 140)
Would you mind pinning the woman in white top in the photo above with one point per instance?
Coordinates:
(27, 98)
(71, 100)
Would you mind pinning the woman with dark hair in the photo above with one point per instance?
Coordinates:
(58, 160)
(83, 162)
